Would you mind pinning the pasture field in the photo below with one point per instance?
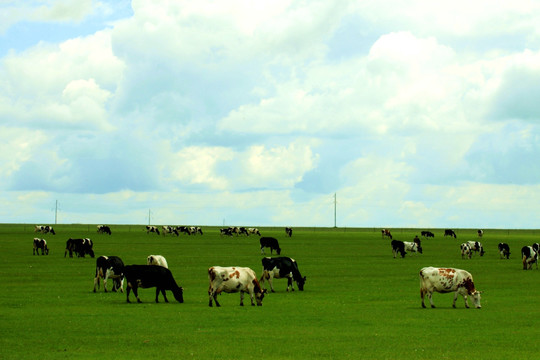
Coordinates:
(359, 302)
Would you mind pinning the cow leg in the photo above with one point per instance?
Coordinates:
(430, 297)
(96, 282)
(128, 290)
(422, 294)
(290, 283)
(242, 298)
(134, 288)
(262, 250)
(271, 281)
(164, 295)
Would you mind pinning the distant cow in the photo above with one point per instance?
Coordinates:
(466, 251)
(412, 247)
(504, 250)
(427, 234)
(147, 276)
(398, 247)
(40, 244)
(386, 232)
(476, 246)
(529, 257)
(445, 280)
(169, 230)
(253, 231)
(80, 247)
(225, 231)
(270, 242)
(234, 279)
(44, 229)
(152, 229)
(109, 267)
(104, 229)
(450, 232)
(480, 233)
(288, 231)
(157, 260)
(279, 268)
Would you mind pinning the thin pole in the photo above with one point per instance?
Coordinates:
(56, 213)
(335, 210)
(148, 216)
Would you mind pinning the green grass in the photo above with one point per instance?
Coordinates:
(359, 302)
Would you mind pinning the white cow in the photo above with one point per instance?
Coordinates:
(157, 260)
(445, 280)
(234, 279)
(412, 247)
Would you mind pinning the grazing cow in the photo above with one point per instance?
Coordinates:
(279, 268)
(476, 246)
(234, 279)
(169, 230)
(80, 247)
(412, 247)
(270, 242)
(253, 231)
(480, 233)
(288, 231)
(104, 229)
(157, 260)
(386, 232)
(398, 247)
(427, 234)
(504, 250)
(445, 280)
(194, 230)
(40, 244)
(466, 250)
(109, 267)
(44, 229)
(147, 276)
(529, 257)
(450, 232)
(152, 229)
(225, 231)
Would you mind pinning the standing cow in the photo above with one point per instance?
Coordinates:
(270, 242)
(288, 231)
(529, 257)
(504, 250)
(157, 260)
(40, 244)
(445, 280)
(44, 229)
(80, 247)
(398, 247)
(476, 246)
(109, 267)
(450, 232)
(279, 268)
(386, 232)
(234, 279)
(104, 229)
(466, 251)
(147, 276)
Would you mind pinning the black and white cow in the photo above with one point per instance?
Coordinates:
(225, 231)
(270, 242)
(253, 231)
(386, 233)
(109, 267)
(504, 250)
(445, 280)
(40, 244)
(476, 246)
(466, 251)
(80, 247)
(398, 247)
(157, 260)
(279, 268)
(412, 247)
(234, 279)
(288, 231)
(450, 232)
(427, 234)
(152, 229)
(480, 233)
(44, 229)
(104, 229)
(529, 256)
(169, 230)
(147, 276)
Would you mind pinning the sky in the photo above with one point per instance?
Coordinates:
(270, 113)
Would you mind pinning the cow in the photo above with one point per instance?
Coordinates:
(476, 246)
(80, 247)
(529, 257)
(40, 244)
(109, 267)
(169, 230)
(270, 242)
(480, 233)
(466, 250)
(449, 232)
(152, 229)
(104, 229)
(288, 231)
(427, 234)
(386, 232)
(398, 247)
(225, 231)
(194, 230)
(412, 247)
(234, 279)
(279, 268)
(445, 280)
(253, 231)
(147, 276)
(504, 250)
(44, 229)
(157, 260)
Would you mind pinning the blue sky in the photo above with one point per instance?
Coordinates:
(415, 114)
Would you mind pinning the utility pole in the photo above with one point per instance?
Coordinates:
(335, 210)
(56, 213)
(148, 216)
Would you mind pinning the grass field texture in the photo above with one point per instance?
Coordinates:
(359, 302)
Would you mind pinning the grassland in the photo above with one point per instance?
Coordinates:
(359, 302)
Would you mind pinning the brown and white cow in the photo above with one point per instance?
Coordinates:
(445, 280)
(234, 279)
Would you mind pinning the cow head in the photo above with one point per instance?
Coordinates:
(259, 296)
(278, 250)
(476, 298)
(300, 282)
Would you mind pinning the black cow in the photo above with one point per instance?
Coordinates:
(147, 276)
(279, 268)
(104, 229)
(427, 234)
(109, 267)
(398, 247)
(449, 232)
(288, 231)
(529, 257)
(80, 247)
(40, 244)
(270, 242)
(504, 250)
(225, 231)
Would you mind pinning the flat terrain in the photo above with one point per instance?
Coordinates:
(359, 302)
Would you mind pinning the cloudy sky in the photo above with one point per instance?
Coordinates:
(411, 113)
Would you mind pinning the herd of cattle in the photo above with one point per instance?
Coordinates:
(157, 274)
